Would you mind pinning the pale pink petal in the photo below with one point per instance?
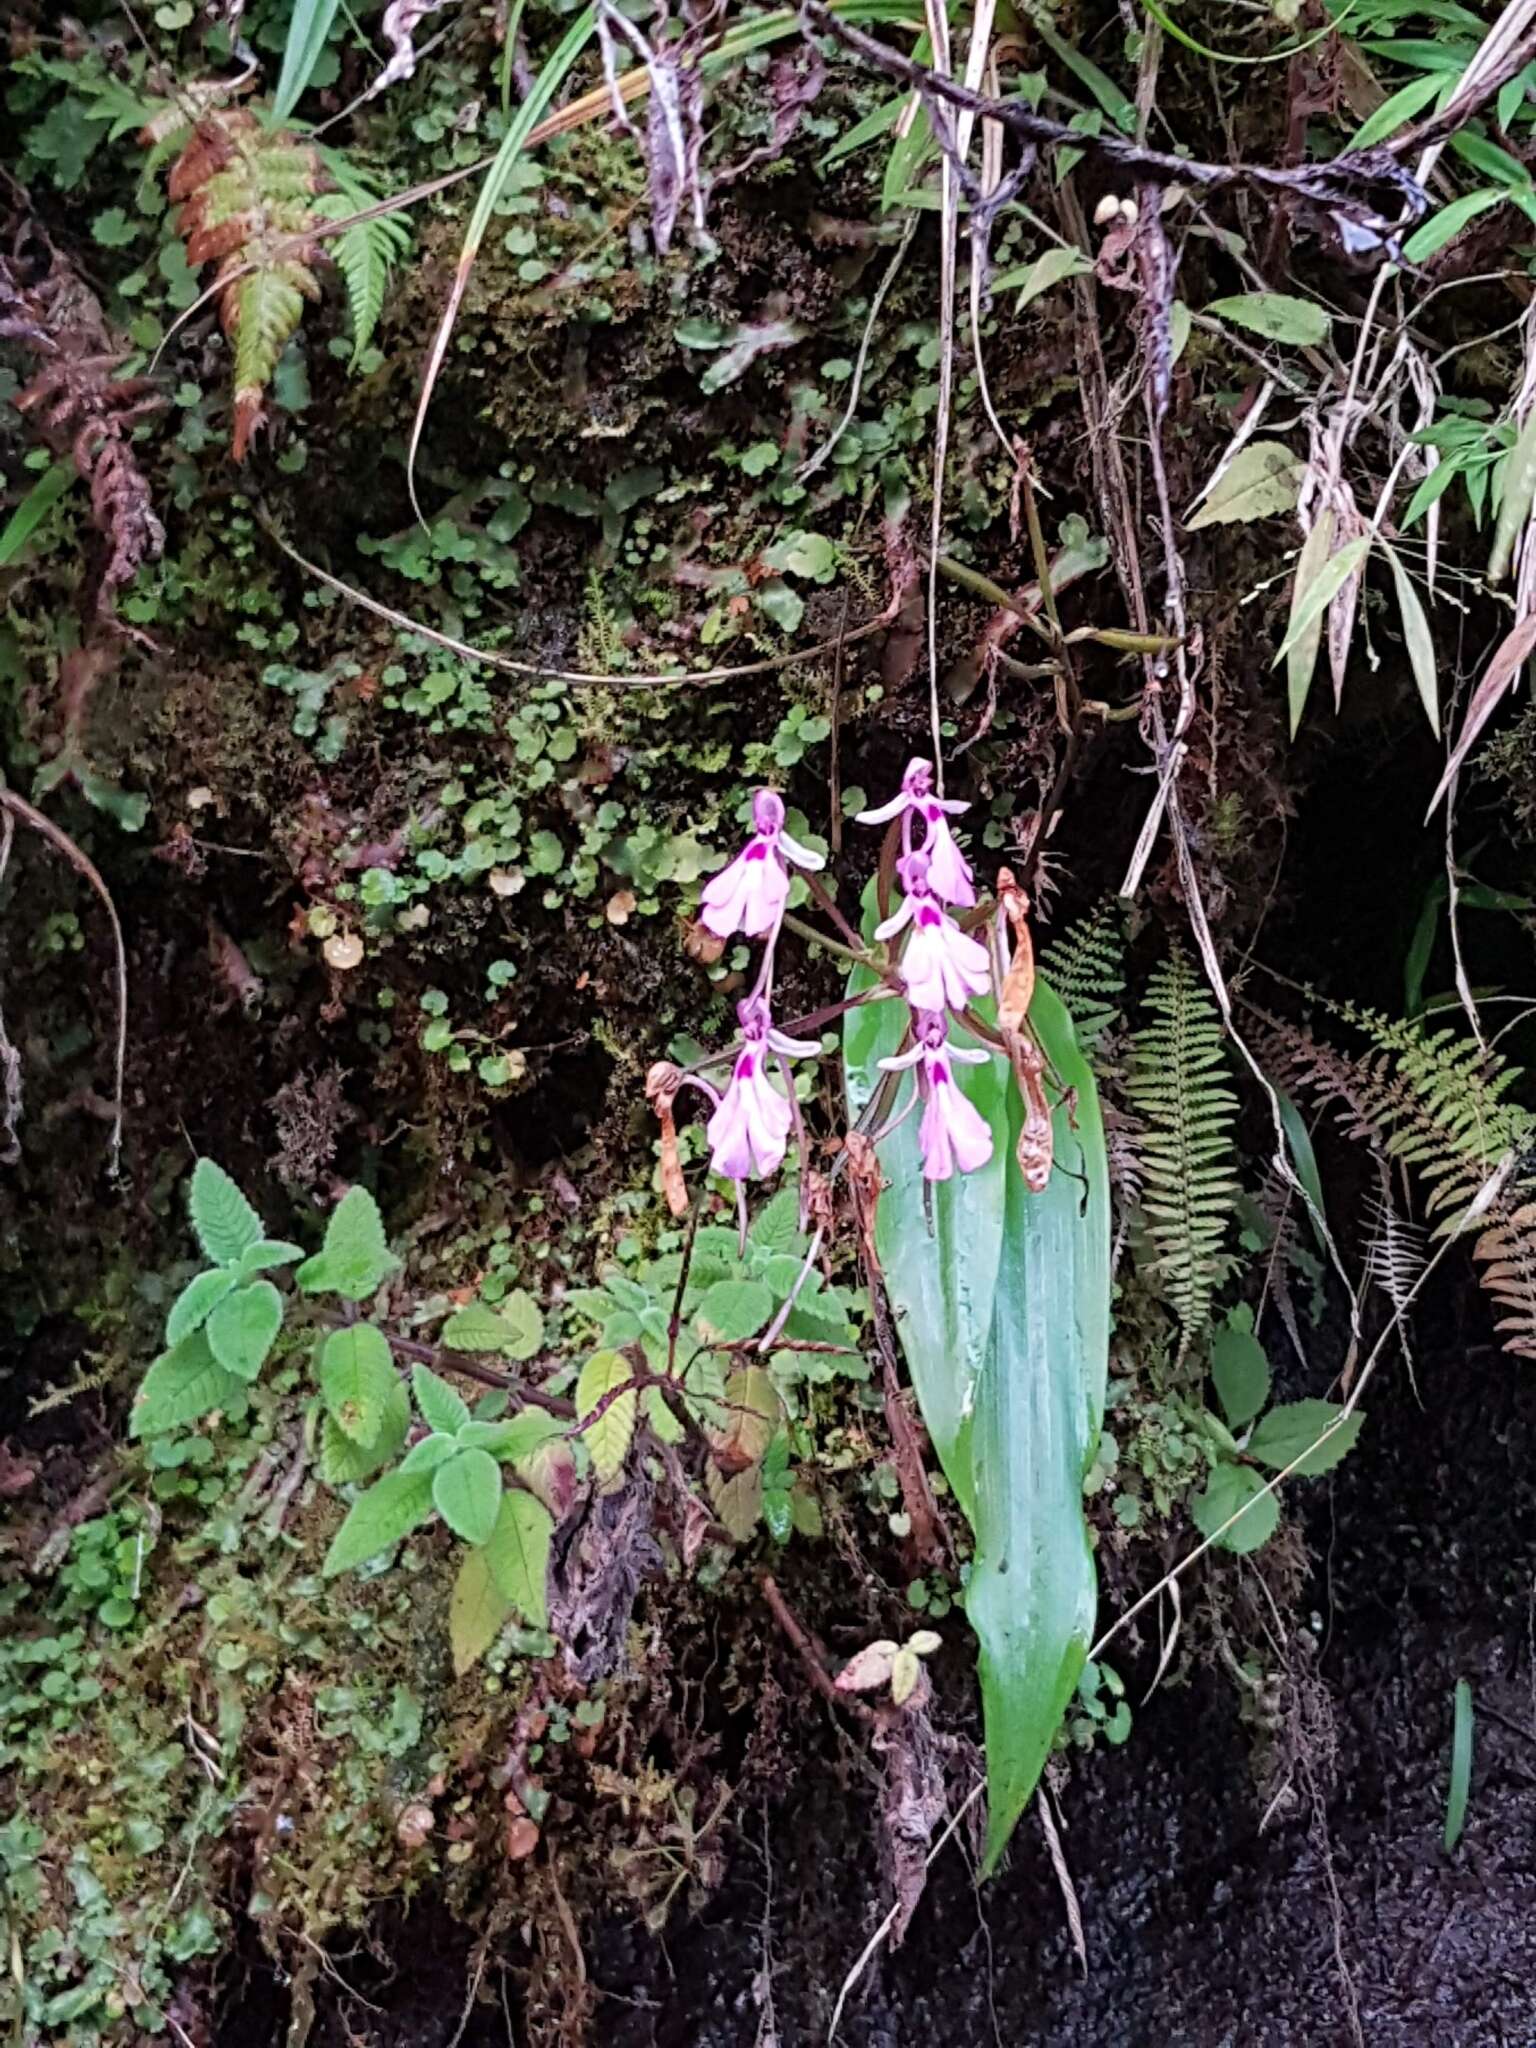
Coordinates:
(900, 916)
(730, 1147)
(953, 1134)
(768, 1122)
(748, 896)
(949, 873)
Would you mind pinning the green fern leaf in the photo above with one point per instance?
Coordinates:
(1086, 967)
(1179, 1085)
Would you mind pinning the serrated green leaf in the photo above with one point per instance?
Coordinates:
(242, 1329)
(183, 1384)
(391, 1508)
(344, 1463)
(466, 1491)
(1235, 1490)
(1287, 1432)
(265, 1254)
(197, 1301)
(515, 1329)
(515, 1437)
(750, 1417)
(608, 1438)
(432, 1451)
(1277, 316)
(1261, 481)
(1003, 1312)
(355, 1259)
(518, 1554)
(733, 1309)
(478, 1611)
(738, 1500)
(223, 1219)
(441, 1407)
(357, 1376)
(1240, 1371)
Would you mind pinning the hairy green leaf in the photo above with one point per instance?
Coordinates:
(244, 1326)
(357, 1378)
(441, 1406)
(391, 1508)
(478, 1611)
(197, 1301)
(1241, 1373)
(183, 1384)
(518, 1554)
(355, 1259)
(225, 1223)
(1276, 316)
(515, 1328)
(345, 1463)
(608, 1437)
(466, 1491)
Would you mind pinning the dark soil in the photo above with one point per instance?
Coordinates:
(1200, 1928)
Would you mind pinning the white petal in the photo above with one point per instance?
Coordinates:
(883, 814)
(800, 856)
(969, 1055)
(894, 1062)
(796, 1048)
(901, 916)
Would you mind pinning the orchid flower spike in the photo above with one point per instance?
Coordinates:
(941, 967)
(949, 872)
(953, 1135)
(749, 896)
(749, 1131)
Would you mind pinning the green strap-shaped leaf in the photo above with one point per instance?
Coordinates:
(1003, 1313)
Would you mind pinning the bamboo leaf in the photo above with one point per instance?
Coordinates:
(1515, 504)
(1417, 638)
(1277, 316)
(1301, 660)
(1509, 657)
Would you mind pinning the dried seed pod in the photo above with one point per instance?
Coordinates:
(1018, 988)
(661, 1086)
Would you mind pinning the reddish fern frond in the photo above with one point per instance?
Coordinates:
(245, 195)
(80, 407)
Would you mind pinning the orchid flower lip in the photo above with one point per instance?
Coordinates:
(799, 856)
(794, 1048)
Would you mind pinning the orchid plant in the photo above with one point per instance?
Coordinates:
(939, 951)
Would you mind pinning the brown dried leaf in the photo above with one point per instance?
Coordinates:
(1509, 657)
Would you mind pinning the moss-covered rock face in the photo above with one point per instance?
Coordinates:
(402, 730)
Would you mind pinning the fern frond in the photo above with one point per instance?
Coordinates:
(1434, 1100)
(1086, 967)
(366, 253)
(245, 194)
(1178, 1083)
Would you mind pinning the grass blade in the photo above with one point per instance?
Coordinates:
(34, 509)
(308, 27)
(1461, 1766)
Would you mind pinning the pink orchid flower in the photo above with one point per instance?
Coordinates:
(941, 968)
(953, 1136)
(749, 895)
(949, 872)
(749, 1131)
